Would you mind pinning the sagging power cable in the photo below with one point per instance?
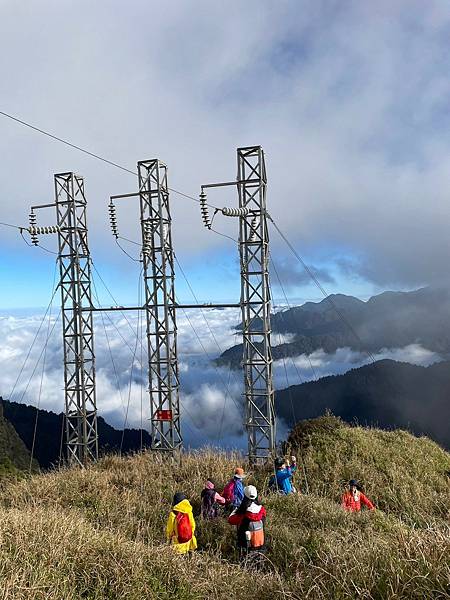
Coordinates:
(42, 374)
(33, 342)
(322, 289)
(290, 308)
(88, 152)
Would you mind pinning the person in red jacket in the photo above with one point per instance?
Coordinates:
(249, 518)
(353, 498)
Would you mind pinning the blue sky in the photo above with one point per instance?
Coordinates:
(348, 99)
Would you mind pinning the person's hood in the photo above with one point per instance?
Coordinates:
(184, 506)
(254, 508)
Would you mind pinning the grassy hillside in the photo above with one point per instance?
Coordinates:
(99, 533)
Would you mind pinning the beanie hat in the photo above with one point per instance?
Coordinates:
(239, 473)
(250, 492)
(178, 497)
(353, 482)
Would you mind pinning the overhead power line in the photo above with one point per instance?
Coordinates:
(10, 225)
(66, 142)
(102, 159)
(88, 152)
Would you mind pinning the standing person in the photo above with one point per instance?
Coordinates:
(249, 518)
(210, 500)
(353, 498)
(180, 527)
(233, 492)
(283, 475)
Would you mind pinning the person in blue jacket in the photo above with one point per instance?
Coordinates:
(284, 472)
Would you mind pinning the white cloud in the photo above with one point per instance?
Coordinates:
(320, 364)
(211, 397)
(204, 387)
(349, 101)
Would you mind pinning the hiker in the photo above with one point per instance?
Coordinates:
(181, 525)
(281, 482)
(210, 500)
(233, 492)
(353, 498)
(249, 518)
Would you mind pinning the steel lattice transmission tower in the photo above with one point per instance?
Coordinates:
(255, 301)
(159, 282)
(255, 298)
(76, 308)
(78, 332)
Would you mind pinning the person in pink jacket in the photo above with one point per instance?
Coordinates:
(210, 500)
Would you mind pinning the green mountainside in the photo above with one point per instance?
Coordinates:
(386, 393)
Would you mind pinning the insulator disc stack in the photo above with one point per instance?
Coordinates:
(253, 228)
(146, 246)
(234, 212)
(204, 210)
(32, 219)
(113, 219)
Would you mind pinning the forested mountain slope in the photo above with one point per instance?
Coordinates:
(387, 394)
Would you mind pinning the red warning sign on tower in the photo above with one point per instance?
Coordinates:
(164, 415)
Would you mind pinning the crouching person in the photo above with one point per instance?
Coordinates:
(249, 518)
(181, 525)
(210, 500)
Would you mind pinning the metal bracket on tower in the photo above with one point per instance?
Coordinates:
(255, 299)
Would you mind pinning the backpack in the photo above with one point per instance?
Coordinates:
(184, 527)
(209, 506)
(256, 530)
(228, 491)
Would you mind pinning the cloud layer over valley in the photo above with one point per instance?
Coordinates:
(210, 396)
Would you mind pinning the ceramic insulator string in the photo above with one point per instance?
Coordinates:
(234, 212)
(204, 210)
(113, 219)
(32, 218)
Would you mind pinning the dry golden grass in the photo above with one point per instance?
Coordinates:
(99, 533)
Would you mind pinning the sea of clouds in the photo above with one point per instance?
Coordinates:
(211, 396)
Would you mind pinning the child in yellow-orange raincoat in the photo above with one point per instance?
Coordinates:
(181, 525)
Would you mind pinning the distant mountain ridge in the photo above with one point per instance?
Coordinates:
(48, 438)
(388, 320)
(386, 394)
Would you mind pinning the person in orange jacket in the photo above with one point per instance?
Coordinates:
(353, 498)
(180, 527)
